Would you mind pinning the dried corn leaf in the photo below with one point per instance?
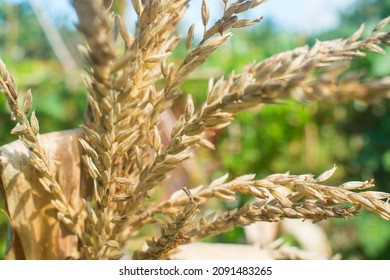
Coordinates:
(37, 233)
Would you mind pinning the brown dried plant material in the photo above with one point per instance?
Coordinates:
(173, 233)
(27, 131)
(309, 199)
(205, 13)
(27, 102)
(127, 155)
(37, 233)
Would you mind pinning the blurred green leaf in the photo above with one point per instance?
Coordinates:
(374, 234)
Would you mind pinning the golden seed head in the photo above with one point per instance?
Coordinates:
(27, 102)
(205, 13)
(34, 123)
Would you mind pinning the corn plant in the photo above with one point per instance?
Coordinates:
(85, 193)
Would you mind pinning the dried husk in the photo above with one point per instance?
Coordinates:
(37, 234)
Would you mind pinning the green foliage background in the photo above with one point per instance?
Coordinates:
(294, 137)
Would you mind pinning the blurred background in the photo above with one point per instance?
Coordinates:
(38, 43)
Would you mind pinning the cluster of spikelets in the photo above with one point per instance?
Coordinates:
(129, 87)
